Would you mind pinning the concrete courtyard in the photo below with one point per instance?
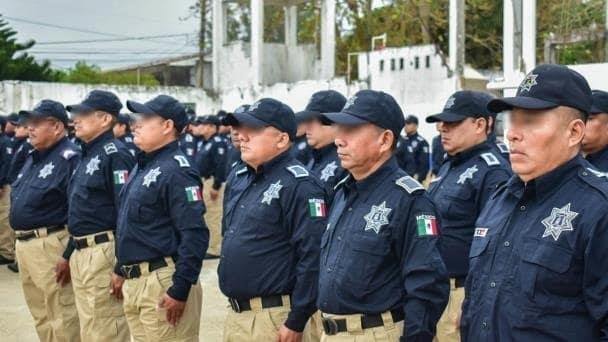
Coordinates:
(16, 324)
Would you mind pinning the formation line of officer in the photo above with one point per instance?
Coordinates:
(319, 219)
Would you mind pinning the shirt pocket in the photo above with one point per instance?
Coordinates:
(546, 274)
(39, 194)
(94, 185)
(145, 208)
(364, 263)
(460, 205)
(264, 220)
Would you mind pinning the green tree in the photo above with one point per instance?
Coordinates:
(16, 64)
(92, 74)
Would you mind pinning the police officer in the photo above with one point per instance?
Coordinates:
(233, 157)
(463, 185)
(122, 131)
(324, 162)
(498, 145)
(595, 142)
(39, 210)
(274, 216)
(437, 152)
(7, 237)
(538, 268)
(93, 198)
(300, 148)
(188, 141)
(210, 161)
(161, 238)
(381, 275)
(419, 147)
(405, 156)
(223, 131)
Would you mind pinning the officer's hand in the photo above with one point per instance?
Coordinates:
(288, 335)
(62, 272)
(175, 308)
(214, 194)
(116, 286)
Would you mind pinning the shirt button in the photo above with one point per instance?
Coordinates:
(329, 269)
(232, 230)
(585, 173)
(339, 238)
(492, 284)
(350, 209)
(522, 208)
(484, 324)
(242, 206)
(507, 244)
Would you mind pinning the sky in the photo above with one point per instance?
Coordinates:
(87, 20)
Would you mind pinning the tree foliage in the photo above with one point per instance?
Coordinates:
(92, 74)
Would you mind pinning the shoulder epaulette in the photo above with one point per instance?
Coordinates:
(217, 139)
(67, 154)
(241, 170)
(502, 147)
(490, 159)
(110, 148)
(409, 184)
(298, 171)
(188, 138)
(182, 161)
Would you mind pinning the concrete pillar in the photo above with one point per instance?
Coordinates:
(257, 41)
(291, 25)
(457, 37)
(508, 45)
(528, 36)
(217, 40)
(328, 39)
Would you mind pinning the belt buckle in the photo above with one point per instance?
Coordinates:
(128, 270)
(234, 304)
(329, 326)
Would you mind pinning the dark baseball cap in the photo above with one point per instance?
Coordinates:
(325, 101)
(164, 106)
(599, 104)
(263, 113)
(370, 106)
(463, 104)
(411, 119)
(46, 109)
(208, 120)
(124, 118)
(98, 100)
(13, 118)
(548, 86)
(240, 109)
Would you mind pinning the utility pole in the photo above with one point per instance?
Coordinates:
(457, 38)
(201, 43)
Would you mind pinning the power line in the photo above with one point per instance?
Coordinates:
(100, 53)
(84, 41)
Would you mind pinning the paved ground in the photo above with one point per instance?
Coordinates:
(16, 323)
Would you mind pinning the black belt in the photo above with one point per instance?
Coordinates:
(459, 282)
(333, 326)
(32, 234)
(134, 271)
(99, 239)
(245, 305)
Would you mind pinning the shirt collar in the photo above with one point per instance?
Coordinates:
(102, 139)
(324, 151)
(547, 183)
(39, 155)
(144, 158)
(371, 182)
(272, 164)
(599, 155)
(466, 155)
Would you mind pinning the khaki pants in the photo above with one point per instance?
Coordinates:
(7, 235)
(260, 324)
(101, 315)
(51, 305)
(448, 326)
(390, 332)
(213, 217)
(149, 323)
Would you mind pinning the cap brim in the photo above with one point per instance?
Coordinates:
(342, 118)
(139, 108)
(244, 119)
(307, 115)
(445, 117)
(79, 108)
(596, 110)
(524, 102)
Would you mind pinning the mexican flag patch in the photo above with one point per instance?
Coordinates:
(193, 193)
(317, 207)
(120, 176)
(427, 225)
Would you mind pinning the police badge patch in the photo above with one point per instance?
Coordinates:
(377, 217)
(559, 221)
(272, 192)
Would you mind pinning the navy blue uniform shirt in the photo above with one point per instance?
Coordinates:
(127, 140)
(22, 149)
(188, 143)
(95, 186)
(301, 150)
(599, 159)
(379, 252)
(538, 269)
(437, 155)
(499, 146)
(273, 221)
(210, 160)
(325, 165)
(420, 148)
(160, 215)
(6, 155)
(39, 195)
(405, 156)
(462, 188)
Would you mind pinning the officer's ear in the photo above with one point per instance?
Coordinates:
(169, 128)
(283, 140)
(387, 140)
(576, 131)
